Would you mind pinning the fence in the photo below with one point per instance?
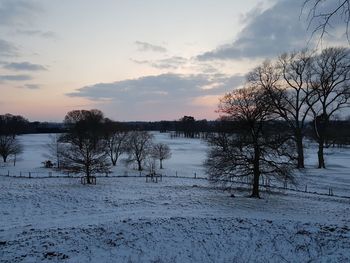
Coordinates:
(265, 183)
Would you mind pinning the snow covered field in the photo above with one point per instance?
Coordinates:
(177, 220)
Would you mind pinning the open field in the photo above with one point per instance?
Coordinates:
(125, 219)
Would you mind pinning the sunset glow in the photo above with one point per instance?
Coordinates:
(135, 60)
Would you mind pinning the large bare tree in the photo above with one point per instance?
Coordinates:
(116, 144)
(139, 147)
(255, 149)
(294, 94)
(84, 147)
(287, 84)
(330, 83)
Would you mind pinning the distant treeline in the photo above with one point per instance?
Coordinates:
(338, 130)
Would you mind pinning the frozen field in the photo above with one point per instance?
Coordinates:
(176, 220)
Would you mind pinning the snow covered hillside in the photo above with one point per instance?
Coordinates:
(125, 219)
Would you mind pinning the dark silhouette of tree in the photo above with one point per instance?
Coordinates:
(116, 141)
(330, 83)
(253, 150)
(12, 124)
(10, 127)
(84, 146)
(287, 84)
(139, 146)
(161, 151)
(187, 126)
(9, 145)
(324, 17)
(292, 98)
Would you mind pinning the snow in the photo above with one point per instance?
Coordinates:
(125, 219)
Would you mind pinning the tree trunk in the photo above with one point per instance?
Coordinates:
(58, 158)
(160, 164)
(88, 181)
(4, 157)
(320, 154)
(256, 173)
(300, 151)
(139, 165)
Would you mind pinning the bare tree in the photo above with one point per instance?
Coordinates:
(330, 83)
(294, 94)
(12, 124)
(88, 158)
(116, 136)
(10, 127)
(324, 12)
(287, 84)
(9, 145)
(116, 145)
(254, 150)
(54, 149)
(84, 148)
(161, 151)
(139, 147)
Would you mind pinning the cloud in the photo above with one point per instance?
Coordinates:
(30, 86)
(25, 66)
(39, 33)
(174, 86)
(15, 77)
(7, 49)
(246, 18)
(144, 46)
(17, 12)
(171, 94)
(268, 33)
(167, 63)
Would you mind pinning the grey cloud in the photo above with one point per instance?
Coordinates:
(150, 87)
(26, 66)
(144, 46)
(15, 77)
(167, 63)
(171, 86)
(250, 15)
(39, 33)
(278, 29)
(7, 49)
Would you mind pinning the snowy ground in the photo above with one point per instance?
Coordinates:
(177, 220)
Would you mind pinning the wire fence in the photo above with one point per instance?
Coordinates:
(266, 184)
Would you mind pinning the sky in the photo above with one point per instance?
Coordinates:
(140, 59)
